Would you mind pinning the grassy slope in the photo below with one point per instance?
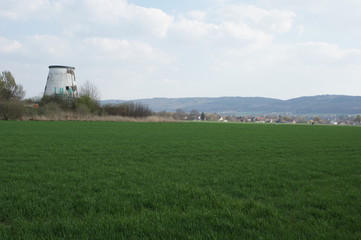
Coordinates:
(98, 180)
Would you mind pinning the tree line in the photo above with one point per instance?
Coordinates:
(13, 106)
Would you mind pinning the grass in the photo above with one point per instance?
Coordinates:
(122, 180)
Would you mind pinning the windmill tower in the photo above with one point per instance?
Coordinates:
(61, 81)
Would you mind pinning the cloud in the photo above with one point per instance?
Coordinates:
(48, 46)
(247, 34)
(125, 50)
(150, 18)
(295, 58)
(107, 13)
(268, 20)
(235, 24)
(322, 53)
(193, 30)
(9, 46)
(197, 15)
(23, 9)
(142, 20)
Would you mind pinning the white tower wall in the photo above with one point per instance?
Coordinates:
(61, 81)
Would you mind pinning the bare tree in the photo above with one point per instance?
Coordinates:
(194, 114)
(179, 114)
(89, 97)
(90, 90)
(358, 119)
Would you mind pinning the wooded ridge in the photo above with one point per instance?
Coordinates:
(321, 104)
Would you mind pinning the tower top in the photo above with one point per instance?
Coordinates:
(59, 66)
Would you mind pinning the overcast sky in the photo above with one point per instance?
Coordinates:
(191, 48)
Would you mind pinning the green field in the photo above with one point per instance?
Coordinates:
(118, 180)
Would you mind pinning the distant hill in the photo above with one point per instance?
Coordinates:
(323, 104)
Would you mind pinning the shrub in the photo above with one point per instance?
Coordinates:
(136, 110)
(64, 102)
(50, 109)
(86, 103)
(11, 110)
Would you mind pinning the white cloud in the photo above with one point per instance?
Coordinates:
(295, 58)
(268, 20)
(108, 11)
(193, 30)
(197, 15)
(48, 46)
(235, 24)
(148, 20)
(322, 53)
(243, 32)
(9, 46)
(23, 9)
(125, 50)
(94, 13)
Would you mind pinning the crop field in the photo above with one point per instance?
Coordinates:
(123, 180)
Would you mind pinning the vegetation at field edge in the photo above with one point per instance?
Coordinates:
(123, 180)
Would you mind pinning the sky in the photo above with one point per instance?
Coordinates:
(135, 49)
